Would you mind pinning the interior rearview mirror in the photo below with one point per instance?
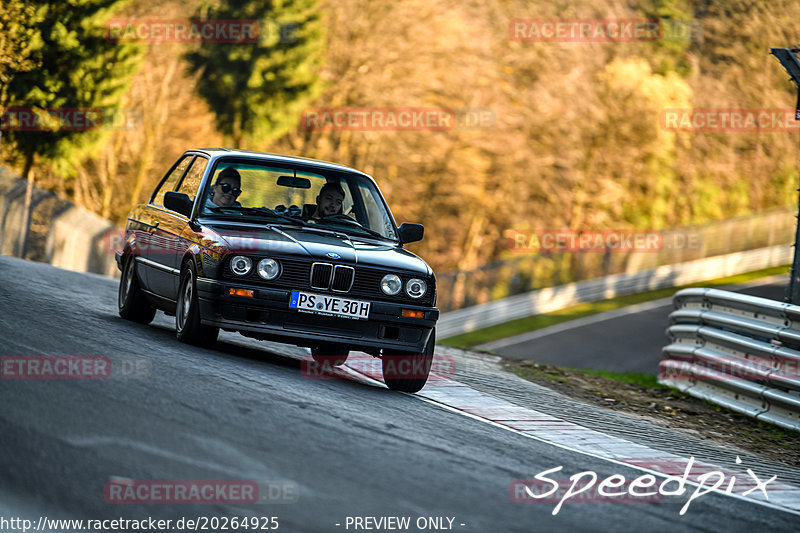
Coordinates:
(294, 182)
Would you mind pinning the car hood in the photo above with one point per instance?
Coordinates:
(312, 243)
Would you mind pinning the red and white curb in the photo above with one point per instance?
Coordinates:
(540, 426)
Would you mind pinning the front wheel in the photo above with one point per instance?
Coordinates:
(187, 312)
(131, 301)
(408, 372)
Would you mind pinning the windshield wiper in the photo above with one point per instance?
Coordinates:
(270, 212)
(340, 218)
(220, 209)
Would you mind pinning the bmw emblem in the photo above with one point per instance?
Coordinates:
(333, 255)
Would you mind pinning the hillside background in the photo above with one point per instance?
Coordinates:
(575, 141)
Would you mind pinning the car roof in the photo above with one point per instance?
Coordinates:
(251, 154)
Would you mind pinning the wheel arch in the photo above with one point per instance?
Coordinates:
(194, 254)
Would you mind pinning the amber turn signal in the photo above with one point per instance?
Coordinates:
(240, 292)
(411, 313)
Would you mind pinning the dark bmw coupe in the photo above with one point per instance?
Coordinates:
(281, 248)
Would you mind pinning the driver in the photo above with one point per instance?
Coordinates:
(226, 190)
(329, 201)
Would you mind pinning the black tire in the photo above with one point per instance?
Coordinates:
(330, 354)
(188, 328)
(408, 372)
(131, 302)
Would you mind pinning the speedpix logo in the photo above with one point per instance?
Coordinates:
(588, 487)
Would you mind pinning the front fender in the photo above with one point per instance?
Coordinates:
(195, 254)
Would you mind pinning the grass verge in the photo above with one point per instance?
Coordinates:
(641, 396)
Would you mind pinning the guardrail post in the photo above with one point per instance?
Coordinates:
(794, 280)
(789, 61)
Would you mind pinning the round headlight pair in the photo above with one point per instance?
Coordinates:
(416, 288)
(268, 268)
(391, 284)
(241, 265)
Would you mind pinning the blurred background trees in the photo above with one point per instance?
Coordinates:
(575, 139)
(63, 61)
(257, 90)
(66, 63)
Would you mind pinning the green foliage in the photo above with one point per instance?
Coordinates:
(706, 204)
(575, 139)
(637, 378)
(76, 68)
(638, 182)
(258, 90)
(679, 29)
(18, 40)
(782, 185)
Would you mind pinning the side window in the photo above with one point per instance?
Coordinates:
(191, 182)
(377, 218)
(171, 181)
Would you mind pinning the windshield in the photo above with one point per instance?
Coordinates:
(338, 201)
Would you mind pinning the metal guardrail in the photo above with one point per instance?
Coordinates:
(521, 271)
(738, 351)
(58, 232)
(551, 299)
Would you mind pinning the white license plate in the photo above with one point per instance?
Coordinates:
(323, 304)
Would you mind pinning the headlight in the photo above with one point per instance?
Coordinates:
(241, 265)
(268, 269)
(391, 284)
(416, 288)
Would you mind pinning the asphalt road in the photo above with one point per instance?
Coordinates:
(240, 411)
(624, 340)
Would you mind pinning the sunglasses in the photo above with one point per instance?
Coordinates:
(228, 188)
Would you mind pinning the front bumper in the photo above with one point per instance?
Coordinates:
(267, 315)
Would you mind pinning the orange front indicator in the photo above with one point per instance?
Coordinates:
(240, 292)
(411, 313)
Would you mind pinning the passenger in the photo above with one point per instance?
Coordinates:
(329, 201)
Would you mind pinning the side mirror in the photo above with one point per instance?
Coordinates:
(178, 202)
(410, 232)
